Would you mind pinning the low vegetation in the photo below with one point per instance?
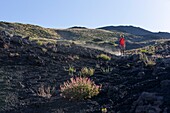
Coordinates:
(106, 70)
(87, 71)
(71, 70)
(147, 61)
(87, 34)
(42, 41)
(45, 92)
(104, 57)
(104, 110)
(79, 88)
(148, 50)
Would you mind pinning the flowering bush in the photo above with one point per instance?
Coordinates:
(79, 88)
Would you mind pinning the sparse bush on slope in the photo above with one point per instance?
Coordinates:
(79, 88)
(87, 71)
(147, 61)
(104, 57)
(45, 92)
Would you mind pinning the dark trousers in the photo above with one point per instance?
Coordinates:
(122, 49)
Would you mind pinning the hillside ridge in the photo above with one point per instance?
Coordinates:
(135, 30)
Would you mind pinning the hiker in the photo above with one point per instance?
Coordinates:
(122, 44)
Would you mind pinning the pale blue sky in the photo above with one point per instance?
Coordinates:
(153, 15)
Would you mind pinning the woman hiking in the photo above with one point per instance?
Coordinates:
(122, 45)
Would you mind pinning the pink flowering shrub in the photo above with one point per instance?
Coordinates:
(79, 88)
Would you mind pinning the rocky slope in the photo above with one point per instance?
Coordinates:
(28, 30)
(135, 83)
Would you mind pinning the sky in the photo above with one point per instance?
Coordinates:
(153, 15)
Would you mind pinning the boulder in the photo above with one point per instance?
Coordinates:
(158, 70)
(166, 62)
(165, 83)
(148, 103)
(136, 57)
(5, 34)
(16, 39)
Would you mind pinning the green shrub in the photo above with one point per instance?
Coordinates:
(79, 88)
(87, 71)
(71, 70)
(40, 43)
(104, 110)
(148, 50)
(104, 57)
(143, 51)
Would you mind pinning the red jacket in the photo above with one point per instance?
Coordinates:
(122, 41)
